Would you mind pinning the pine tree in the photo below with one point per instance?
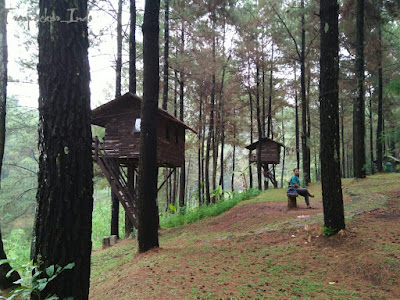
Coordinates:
(332, 196)
(63, 221)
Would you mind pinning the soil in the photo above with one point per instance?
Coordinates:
(265, 251)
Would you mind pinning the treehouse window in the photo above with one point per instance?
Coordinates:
(136, 126)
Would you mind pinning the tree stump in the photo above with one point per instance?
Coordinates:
(106, 242)
(292, 203)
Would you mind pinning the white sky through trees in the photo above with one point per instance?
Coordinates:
(22, 46)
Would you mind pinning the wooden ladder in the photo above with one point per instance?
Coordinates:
(116, 177)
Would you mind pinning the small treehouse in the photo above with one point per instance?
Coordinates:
(121, 144)
(270, 151)
(270, 154)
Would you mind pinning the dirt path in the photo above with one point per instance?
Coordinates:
(264, 251)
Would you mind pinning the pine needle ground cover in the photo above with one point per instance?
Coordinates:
(260, 250)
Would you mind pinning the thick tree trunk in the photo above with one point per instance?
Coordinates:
(147, 190)
(63, 223)
(118, 76)
(181, 97)
(5, 282)
(332, 196)
(132, 48)
(359, 105)
(166, 58)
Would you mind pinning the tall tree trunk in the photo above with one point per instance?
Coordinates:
(263, 95)
(147, 191)
(131, 186)
(233, 155)
(332, 196)
(63, 222)
(199, 158)
(371, 139)
(342, 138)
(132, 48)
(359, 105)
(379, 126)
(296, 104)
(166, 58)
(5, 282)
(118, 76)
(308, 134)
(251, 137)
(259, 127)
(284, 149)
(304, 141)
(181, 97)
(269, 126)
(132, 89)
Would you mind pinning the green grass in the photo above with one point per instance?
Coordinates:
(204, 211)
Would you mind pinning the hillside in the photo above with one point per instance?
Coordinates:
(259, 249)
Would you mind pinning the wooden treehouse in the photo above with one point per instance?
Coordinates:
(120, 146)
(270, 151)
(270, 154)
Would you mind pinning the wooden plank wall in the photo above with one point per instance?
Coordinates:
(121, 141)
(270, 153)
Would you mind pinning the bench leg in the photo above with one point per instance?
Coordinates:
(292, 203)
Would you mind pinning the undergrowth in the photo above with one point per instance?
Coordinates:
(197, 213)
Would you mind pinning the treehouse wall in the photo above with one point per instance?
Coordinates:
(270, 153)
(123, 142)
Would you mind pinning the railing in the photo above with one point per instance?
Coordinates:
(116, 175)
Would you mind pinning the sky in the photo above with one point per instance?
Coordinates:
(23, 81)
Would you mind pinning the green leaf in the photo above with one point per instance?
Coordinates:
(50, 271)
(42, 285)
(69, 266)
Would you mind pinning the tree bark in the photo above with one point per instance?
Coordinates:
(296, 104)
(259, 128)
(332, 196)
(359, 105)
(304, 141)
(181, 97)
(166, 58)
(118, 76)
(147, 190)
(131, 185)
(132, 48)
(63, 222)
(5, 282)
(371, 139)
(379, 126)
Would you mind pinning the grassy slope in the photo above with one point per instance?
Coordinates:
(258, 251)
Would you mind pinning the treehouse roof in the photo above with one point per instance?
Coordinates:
(265, 139)
(127, 104)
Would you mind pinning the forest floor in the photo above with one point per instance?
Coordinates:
(261, 250)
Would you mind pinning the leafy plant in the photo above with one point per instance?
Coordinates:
(32, 281)
(329, 231)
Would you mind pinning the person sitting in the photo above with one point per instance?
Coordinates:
(295, 182)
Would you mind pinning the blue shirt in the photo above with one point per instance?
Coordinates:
(294, 180)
